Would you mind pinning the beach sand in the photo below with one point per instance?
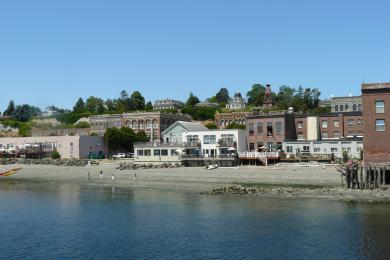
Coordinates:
(313, 182)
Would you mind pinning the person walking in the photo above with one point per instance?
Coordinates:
(113, 178)
(101, 175)
(89, 176)
(135, 177)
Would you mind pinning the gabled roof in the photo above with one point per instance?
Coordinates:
(189, 126)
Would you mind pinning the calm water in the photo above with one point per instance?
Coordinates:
(71, 221)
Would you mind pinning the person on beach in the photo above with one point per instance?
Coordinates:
(101, 175)
(113, 177)
(135, 177)
(89, 176)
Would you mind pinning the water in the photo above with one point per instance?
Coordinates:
(45, 220)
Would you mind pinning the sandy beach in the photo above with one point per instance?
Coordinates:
(281, 181)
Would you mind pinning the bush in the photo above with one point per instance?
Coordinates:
(55, 155)
(235, 126)
(211, 126)
(345, 156)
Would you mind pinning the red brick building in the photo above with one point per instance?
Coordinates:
(376, 115)
(269, 130)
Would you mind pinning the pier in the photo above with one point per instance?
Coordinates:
(365, 177)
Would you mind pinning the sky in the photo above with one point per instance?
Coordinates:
(53, 52)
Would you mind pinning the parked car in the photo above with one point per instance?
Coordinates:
(129, 155)
(119, 155)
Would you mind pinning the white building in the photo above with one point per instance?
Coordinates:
(236, 102)
(174, 133)
(214, 143)
(67, 146)
(336, 147)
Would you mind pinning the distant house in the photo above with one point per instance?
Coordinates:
(207, 104)
(50, 111)
(167, 104)
(236, 102)
(173, 134)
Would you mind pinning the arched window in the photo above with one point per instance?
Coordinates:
(141, 124)
(354, 107)
(341, 108)
(346, 108)
(360, 107)
(134, 124)
(336, 108)
(148, 124)
(155, 125)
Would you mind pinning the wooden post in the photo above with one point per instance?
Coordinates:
(348, 176)
(364, 177)
(376, 176)
(361, 177)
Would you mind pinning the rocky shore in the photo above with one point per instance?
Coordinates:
(47, 161)
(334, 193)
(132, 166)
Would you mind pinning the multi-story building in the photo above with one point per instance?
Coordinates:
(167, 104)
(265, 130)
(207, 104)
(236, 102)
(214, 143)
(224, 119)
(346, 104)
(376, 115)
(152, 123)
(174, 133)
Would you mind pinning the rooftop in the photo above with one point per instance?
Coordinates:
(369, 86)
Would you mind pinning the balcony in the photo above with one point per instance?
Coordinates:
(192, 144)
(226, 143)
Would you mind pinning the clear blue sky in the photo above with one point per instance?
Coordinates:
(52, 52)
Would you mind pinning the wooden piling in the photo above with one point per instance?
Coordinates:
(361, 177)
(364, 177)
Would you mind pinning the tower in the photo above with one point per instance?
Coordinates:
(267, 96)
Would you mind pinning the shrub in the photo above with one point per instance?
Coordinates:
(55, 155)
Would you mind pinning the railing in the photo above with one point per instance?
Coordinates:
(255, 155)
(223, 143)
(192, 144)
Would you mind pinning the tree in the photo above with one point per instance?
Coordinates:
(25, 112)
(192, 100)
(211, 126)
(10, 109)
(234, 125)
(79, 107)
(222, 96)
(55, 154)
(137, 101)
(110, 104)
(141, 136)
(149, 106)
(256, 95)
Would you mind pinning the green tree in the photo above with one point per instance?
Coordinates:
(192, 100)
(110, 104)
(25, 112)
(55, 154)
(79, 107)
(137, 101)
(141, 137)
(10, 109)
(211, 126)
(256, 95)
(149, 106)
(222, 96)
(234, 125)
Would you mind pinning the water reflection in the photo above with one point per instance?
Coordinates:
(51, 220)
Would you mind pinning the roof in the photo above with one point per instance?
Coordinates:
(372, 86)
(189, 126)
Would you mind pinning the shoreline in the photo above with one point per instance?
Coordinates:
(273, 181)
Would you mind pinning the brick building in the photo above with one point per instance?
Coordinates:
(152, 123)
(376, 103)
(269, 130)
(224, 119)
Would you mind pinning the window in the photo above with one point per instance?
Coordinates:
(209, 139)
(192, 139)
(140, 152)
(351, 122)
(300, 136)
(380, 125)
(259, 145)
(351, 133)
(336, 108)
(317, 149)
(341, 108)
(300, 124)
(251, 146)
(380, 107)
(336, 134)
(259, 128)
(147, 153)
(354, 107)
(289, 149)
(173, 152)
(269, 129)
(251, 128)
(324, 135)
(336, 123)
(324, 124)
(346, 107)
(333, 150)
(164, 152)
(156, 152)
(360, 107)
(306, 148)
(358, 149)
(278, 127)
